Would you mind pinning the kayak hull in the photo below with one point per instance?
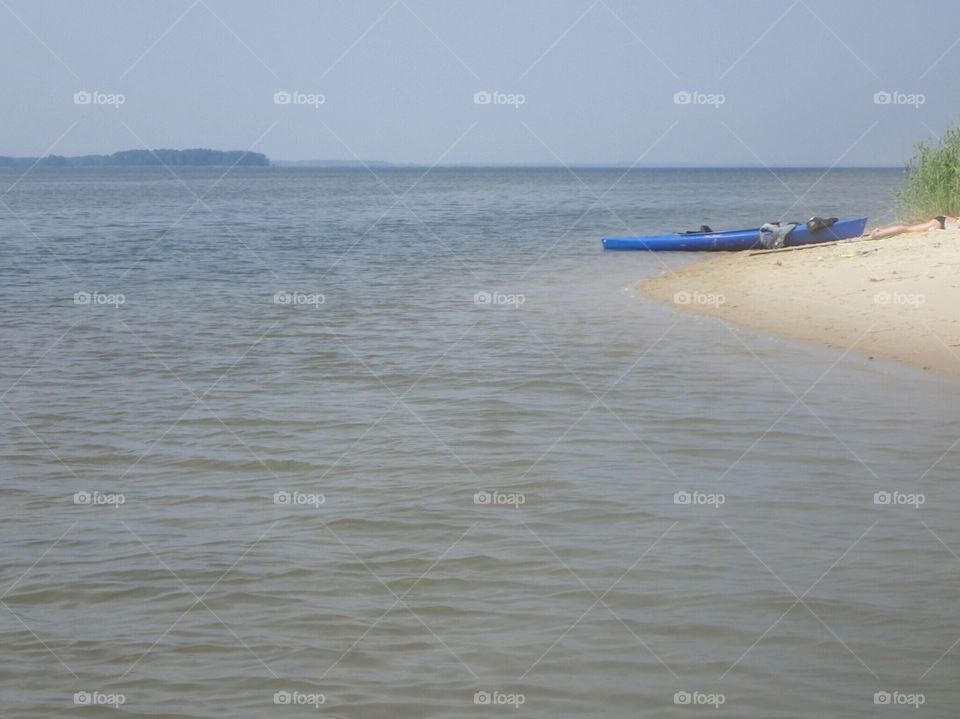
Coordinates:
(733, 240)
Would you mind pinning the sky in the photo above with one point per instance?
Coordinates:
(766, 82)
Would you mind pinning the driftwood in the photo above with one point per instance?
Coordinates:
(807, 247)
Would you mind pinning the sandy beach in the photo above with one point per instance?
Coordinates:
(896, 299)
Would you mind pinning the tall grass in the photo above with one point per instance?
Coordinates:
(932, 184)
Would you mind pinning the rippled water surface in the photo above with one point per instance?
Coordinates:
(384, 442)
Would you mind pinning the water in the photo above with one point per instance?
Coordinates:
(382, 386)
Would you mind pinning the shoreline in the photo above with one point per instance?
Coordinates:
(895, 299)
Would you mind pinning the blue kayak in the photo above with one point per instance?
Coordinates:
(734, 239)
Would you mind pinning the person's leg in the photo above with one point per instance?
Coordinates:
(881, 233)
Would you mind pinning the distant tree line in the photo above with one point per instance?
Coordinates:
(147, 158)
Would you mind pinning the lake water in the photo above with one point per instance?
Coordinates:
(324, 443)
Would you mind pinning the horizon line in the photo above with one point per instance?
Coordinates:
(599, 165)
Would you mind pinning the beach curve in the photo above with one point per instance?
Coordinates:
(894, 299)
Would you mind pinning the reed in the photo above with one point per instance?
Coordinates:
(932, 183)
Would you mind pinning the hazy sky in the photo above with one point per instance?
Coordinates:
(579, 81)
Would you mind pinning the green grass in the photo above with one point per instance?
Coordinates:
(932, 184)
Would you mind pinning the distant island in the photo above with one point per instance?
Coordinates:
(146, 158)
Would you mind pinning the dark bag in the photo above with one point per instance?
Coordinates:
(815, 224)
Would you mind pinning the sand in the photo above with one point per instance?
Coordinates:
(896, 299)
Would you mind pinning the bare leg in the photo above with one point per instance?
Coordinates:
(894, 230)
